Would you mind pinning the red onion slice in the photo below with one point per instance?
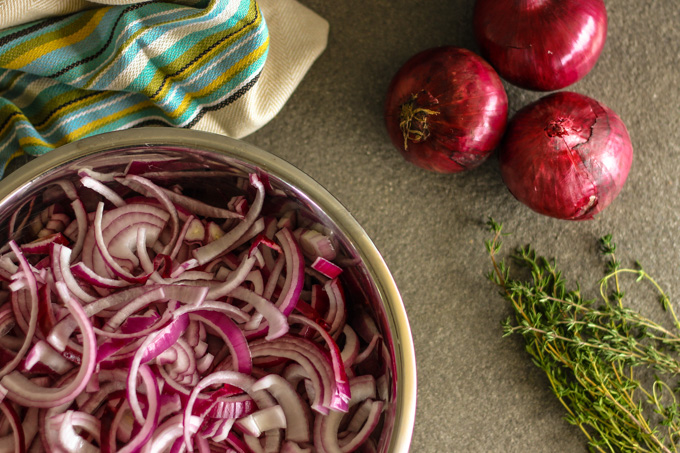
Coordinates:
(315, 362)
(41, 352)
(162, 197)
(103, 190)
(209, 252)
(327, 268)
(233, 337)
(278, 324)
(234, 378)
(31, 286)
(326, 426)
(152, 411)
(18, 438)
(263, 420)
(62, 431)
(150, 349)
(297, 418)
(23, 391)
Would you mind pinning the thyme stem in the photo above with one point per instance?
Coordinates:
(614, 371)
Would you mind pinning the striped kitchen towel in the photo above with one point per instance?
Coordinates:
(215, 65)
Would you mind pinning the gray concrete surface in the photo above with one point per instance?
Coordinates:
(477, 391)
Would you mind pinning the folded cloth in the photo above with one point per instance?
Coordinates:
(224, 66)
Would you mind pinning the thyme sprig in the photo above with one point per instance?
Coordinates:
(614, 370)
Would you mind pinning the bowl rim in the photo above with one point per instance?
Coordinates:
(395, 311)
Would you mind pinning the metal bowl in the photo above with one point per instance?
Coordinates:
(368, 271)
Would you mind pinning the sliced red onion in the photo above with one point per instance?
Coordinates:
(297, 418)
(237, 379)
(168, 432)
(43, 244)
(99, 176)
(162, 197)
(58, 337)
(292, 447)
(263, 420)
(19, 303)
(13, 228)
(326, 426)
(103, 394)
(140, 315)
(18, 438)
(351, 347)
(336, 299)
(223, 429)
(251, 233)
(104, 248)
(68, 188)
(209, 252)
(44, 353)
(293, 282)
(352, 442)
(103, 190)
(278, 324)
(342, 391)
(56, 223)
(150, 349)
(7, 266)
(152, 295)
(315, 244)
(232, 311)
(152, 411)
(237, 444)
(191, 204)
(368, 350)
(194, 295)
(145, 261)
(128, 334)
(234, 279)
(30, 428)
(63, 435)
(81, 225)
(88, 275)
(182, 365)
(327, 268)
(61, 270)
(188, 225)
(273, 279)
(23, 391)
(233, 337)
(294, 271)
(225, 407)
(32, 288)
(316, 363)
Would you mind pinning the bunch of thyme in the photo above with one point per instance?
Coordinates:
(614, 370)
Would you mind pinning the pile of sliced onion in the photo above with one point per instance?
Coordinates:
(136, 318)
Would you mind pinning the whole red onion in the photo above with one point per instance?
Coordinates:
(541, 44)
(446, 110)
(566, 156)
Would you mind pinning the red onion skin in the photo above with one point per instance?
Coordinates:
(463, 114)
(566, 156)
(541, 45)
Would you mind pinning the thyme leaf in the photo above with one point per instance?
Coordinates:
(614, 370)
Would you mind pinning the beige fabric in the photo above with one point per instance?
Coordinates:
(297, 37)
(15, 12)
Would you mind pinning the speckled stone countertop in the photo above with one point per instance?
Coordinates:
(478, 392)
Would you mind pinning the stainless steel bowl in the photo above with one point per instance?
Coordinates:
(369, 271)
